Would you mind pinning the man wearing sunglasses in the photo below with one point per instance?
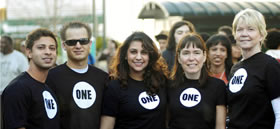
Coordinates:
(77, 85)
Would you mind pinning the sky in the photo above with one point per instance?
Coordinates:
(121, 15)
(2, 3)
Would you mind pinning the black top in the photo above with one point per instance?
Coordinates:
(133, 108)
(194, 107)
(169, 57)
(79, 96)
(252, 86)
(29, 103)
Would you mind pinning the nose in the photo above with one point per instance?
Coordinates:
(78, 45)
(218, 52)
(191, 56)
(48, 51)
(244, 32)
(139, 56)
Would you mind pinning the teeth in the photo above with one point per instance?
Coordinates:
(191, 65)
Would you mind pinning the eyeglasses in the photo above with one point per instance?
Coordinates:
(73, 42)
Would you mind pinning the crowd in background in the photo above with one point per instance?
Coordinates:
(189, 80)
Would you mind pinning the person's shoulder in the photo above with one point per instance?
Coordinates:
(18, 54)
(114, 82)
(166, 52)
(267, 59)
(215, 81)
(58, 68)
(273, 53)
(114, 85)
(97, 71)
(18, 84)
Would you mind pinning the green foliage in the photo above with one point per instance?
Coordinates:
(99, 44)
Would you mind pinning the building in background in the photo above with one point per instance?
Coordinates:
(208, 15)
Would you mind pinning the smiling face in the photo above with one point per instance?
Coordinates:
(191, 60)
(217, 55)
(137, 58)
(77, 52)
(43, 53)
(247, 36)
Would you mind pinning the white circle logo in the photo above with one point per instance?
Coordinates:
(190, 97)
(238, 80)
(50, 104)
(147, 101)
(84, 95)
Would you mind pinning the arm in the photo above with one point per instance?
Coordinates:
(107, 122)
(276, 109)
(220, 117)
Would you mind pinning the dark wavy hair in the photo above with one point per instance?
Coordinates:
(273, 38)
(224, 41)
(171, 45)
(156, 73)
(36, 35)
(177, 74)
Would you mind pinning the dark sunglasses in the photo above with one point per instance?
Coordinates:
(74, 42)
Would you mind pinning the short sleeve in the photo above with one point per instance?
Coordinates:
(111, 99)
(221, 93)
(273, 78)
(15, 104)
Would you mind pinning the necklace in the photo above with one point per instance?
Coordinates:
(221, 77)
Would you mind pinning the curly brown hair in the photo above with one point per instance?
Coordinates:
(156, 73)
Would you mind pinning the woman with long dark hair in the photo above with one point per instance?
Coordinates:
(177, 31)
(220, 59)
(196, 100)
(136, 96)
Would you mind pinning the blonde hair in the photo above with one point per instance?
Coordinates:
(251, 17)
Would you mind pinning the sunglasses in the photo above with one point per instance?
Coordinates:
(73, 42)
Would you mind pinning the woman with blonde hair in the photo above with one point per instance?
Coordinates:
(253, 91)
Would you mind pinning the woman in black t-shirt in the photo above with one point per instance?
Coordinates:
(135, 97)
(177, 31)
(195, 100)
(253, 90)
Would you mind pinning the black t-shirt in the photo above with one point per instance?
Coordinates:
(29, 103)
(194, 107)
(133, 108)
(254, 83)
(79, 96)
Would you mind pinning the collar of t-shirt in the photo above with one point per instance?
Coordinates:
(81, 71)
